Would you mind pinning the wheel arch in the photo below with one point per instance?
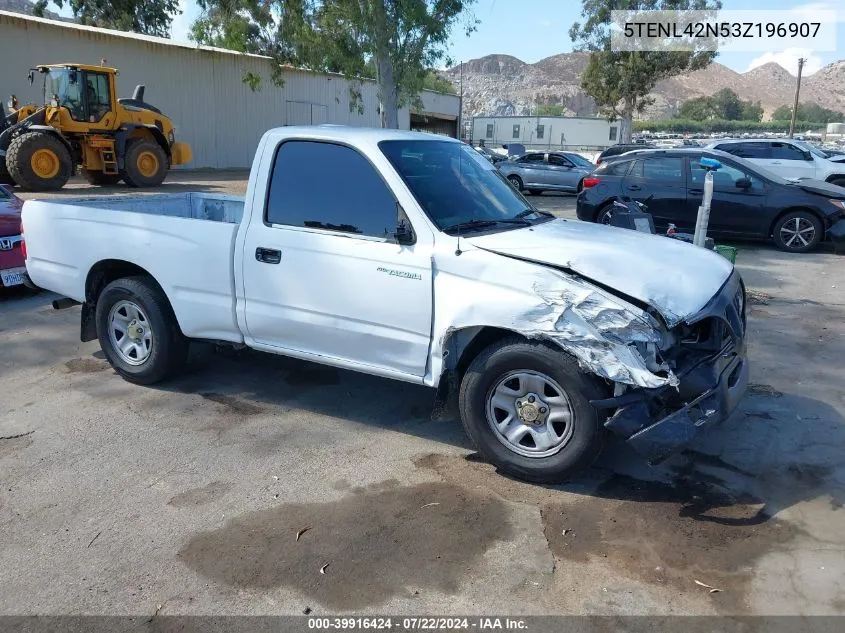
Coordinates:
(833, 177)
(99, 276)
(460, 347)
(48, 129)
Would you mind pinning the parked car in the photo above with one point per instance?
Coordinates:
(785, 157)
(490, 155)
(536, 172)
(616, 150)
(12, 267)
(748, 202)
(422, 264)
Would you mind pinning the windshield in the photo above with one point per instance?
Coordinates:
(62, 85)
(580, 161)
(454, 184)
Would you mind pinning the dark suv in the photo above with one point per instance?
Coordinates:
(748, 202)
(615, 150)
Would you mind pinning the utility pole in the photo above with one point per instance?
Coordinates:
(801, 61)
(461, 106)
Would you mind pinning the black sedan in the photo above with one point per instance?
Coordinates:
(748, 202)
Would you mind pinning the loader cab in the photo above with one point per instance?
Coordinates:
(87, 93)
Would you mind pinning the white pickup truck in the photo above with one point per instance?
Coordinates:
(409, 256)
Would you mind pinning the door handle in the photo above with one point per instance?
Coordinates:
(776, 162)
(634, 187)
(268, 255)
(696, 192)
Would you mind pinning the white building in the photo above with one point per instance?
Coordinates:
(201, 88)
(546, 132)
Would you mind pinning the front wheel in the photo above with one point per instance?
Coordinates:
(798, 232)
(138, 332)
(839, 182)
(526, 408)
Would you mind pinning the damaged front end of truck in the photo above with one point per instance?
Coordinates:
(670, 372)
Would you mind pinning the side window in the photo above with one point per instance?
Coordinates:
(358, 201)
(786, 151)
(723, 180)
(531, 158)
(541, 130)
(613, 132)
(747, 150)
(516, 131)
(614, 168)
(664, 168)
(489, 130)
(559, 161)
(97, 89)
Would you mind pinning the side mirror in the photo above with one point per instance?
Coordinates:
(808, 156)
(31, 76)
(404, 234)
(743, 183)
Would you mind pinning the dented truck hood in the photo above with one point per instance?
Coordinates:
(675, 278)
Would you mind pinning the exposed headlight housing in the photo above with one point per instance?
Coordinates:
(171, 137)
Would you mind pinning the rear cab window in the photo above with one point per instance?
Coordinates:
(356, 202)
(787, 151)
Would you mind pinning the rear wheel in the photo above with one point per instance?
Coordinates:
(605, 214)
(138, 332)
(516, 181)
(38, 161)
(145, 164)
(99, 178)
(526, 407)
(798, 232)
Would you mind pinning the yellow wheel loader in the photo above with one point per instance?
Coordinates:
(83, 125)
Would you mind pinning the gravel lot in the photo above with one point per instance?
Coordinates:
(186, 498)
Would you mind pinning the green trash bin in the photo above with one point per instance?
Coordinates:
(728, 252)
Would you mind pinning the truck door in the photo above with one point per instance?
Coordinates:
(323, 274)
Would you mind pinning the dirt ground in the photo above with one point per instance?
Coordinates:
(228, 490)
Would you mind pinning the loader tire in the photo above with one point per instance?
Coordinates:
(99, 178)
(38, 161)
(145, 164)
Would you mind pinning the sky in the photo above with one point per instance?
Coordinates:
(534, 29)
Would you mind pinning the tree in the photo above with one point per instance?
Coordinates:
(433, 81)
(400, 40)
(752, 111)
(810, 112)
(549, 110)
(620, 82)
(783, 113)
(697, 109)
(727, 105)
(150, 17)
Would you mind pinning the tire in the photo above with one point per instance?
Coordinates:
(157, 356)
(839, 182)
(575, 445)
(798, 232)
(145, 164)
(535, 192)
(604, 214)
(39, 161)
(516, 181)
(5, 176)
(580, 187)
(99, 178)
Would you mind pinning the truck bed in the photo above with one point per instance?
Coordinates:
(185, 241)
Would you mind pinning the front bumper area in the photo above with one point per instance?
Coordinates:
(659, 422)
(836, 234)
